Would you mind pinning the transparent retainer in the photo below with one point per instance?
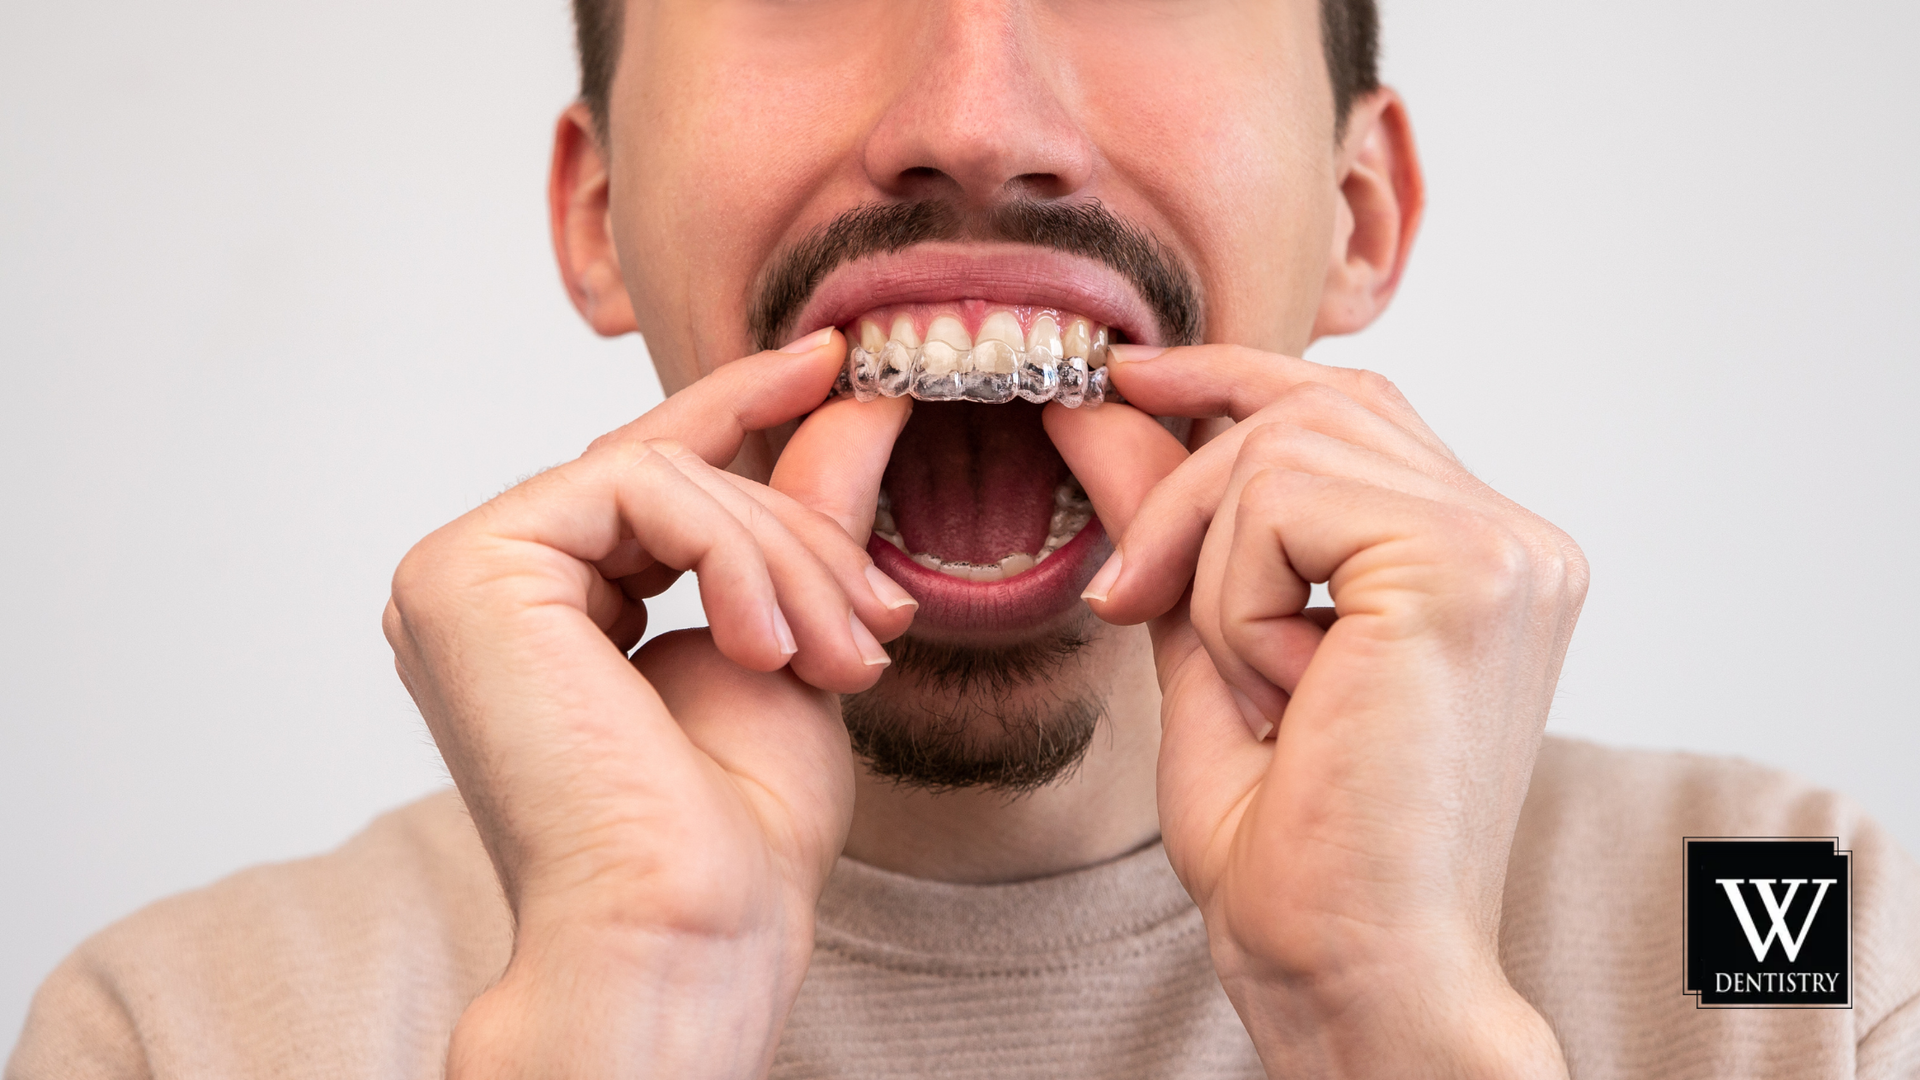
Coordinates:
(990, 373)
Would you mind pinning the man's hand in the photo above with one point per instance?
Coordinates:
(1350, 866)
(662, 827)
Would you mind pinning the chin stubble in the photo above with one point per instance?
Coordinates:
(1012, 719)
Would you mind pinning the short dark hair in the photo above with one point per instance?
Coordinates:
(1349, 34)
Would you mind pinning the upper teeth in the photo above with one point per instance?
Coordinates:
(1071, 513)
(998, 364)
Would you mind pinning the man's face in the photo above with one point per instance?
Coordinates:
(1164, 169)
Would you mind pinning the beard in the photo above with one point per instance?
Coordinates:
(1012, 718)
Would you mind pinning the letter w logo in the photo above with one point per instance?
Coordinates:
(1776, 913)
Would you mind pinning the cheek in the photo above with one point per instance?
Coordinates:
(1235, 148)
(735, 135)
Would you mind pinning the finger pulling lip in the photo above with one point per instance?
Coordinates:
(1019, 604)
(1011, 274)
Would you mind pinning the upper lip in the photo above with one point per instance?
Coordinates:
(1012, 274)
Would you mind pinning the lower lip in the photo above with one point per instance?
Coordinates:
(1015, 605)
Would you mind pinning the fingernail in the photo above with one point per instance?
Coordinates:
(888, 591)
(864, 641)
(1102, 582)
(808, 343)
(783, 634)
(1256, 720)
(1134, 354)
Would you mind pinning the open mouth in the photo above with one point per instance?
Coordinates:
(979, 517)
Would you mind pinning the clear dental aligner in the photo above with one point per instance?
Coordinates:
(1071, 512)
(1055, 358)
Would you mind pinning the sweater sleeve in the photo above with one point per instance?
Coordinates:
(354, 963)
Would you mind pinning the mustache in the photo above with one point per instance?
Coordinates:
(1083, 228)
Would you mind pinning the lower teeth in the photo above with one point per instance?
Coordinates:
(991, 373)
(1071, 513)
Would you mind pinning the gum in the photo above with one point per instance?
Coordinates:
(972, 315)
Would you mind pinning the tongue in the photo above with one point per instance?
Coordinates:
(973, 483)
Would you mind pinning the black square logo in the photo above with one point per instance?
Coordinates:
(1769, 922)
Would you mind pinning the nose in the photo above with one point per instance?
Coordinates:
(978, 115)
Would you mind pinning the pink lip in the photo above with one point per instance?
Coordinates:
(1013, 274)
(1013, 606)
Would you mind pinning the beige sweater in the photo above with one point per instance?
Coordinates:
(356, 963)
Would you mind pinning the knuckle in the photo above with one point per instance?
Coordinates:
(818, 520)
(1304, 404)
(393, 626)
(827, 537)
(1265, 492)
(758, 520)
(1311, 396)
(410, 579)
(660, 453)
(427, 574)
(411, 595)
(613, 454)
(1272, 440)
(1564, 572)
(1373, 388)
(1292, 440)
(1508, 568)
(1500, 567)
(624, 435)
(1579, 573)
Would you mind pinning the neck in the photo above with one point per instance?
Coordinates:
(1101, 810)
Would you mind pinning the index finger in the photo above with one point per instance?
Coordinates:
(713, 415)
(1234, 381)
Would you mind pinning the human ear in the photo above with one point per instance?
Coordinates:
(577, 206)
(1382, 196)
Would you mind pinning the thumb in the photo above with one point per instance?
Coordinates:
(835, 460)
(1118, 454)
(1208, 766)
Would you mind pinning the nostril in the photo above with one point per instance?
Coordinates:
(1039, 186)
(925, 182)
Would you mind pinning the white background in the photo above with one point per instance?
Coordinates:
(276, 300)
